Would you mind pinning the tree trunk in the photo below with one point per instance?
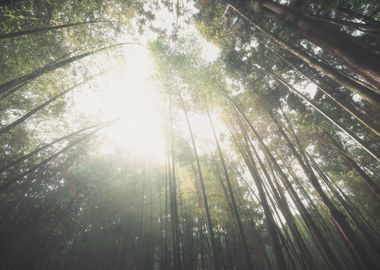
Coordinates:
(319, 236)
(352, 163)
(15, 84)
(214, 250)
(284, 206)
(360, 60)
(39, 149)
(173, 201)
(355, 138)
(349, 108)
(40, 107)
(14, 179)
(344, 227)
(235, 210)
(271, 224)
(357, 88)
(36, 31)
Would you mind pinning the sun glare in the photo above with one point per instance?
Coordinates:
(127, 91)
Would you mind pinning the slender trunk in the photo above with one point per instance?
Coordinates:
(141, 229)
(361, 61)
(284, 206)
(366, 121)
(39, 149)
(173, 201)
(40, 107)
(342, 198)
(15, 84)
(314, 229)
(344, 227)
(41, 30)
(319, 236)
(369, 21)
(12, 180)
(243, 238)
(340, 151)
(214, 250)
(357, 88)
(253, 225)
(161, 218)
(368, 29)
(271, 224)
(352, 163)
(328, 117)
(166, 253)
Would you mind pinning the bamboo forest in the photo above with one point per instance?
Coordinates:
(189, 134)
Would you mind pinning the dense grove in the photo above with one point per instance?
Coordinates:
(293, 177)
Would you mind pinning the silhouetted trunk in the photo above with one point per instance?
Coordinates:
(352, 163)
(214, 250)
(368, 29)
(361, 61)
(235, 210)
(283, 204)
(355, 138)
(41, 30)
(357, 88)
(355, 15)
(340, 220)
(39, 149)
(7, 182)
(173, 201)
(15, 84)
(342, 103)
(40, 107)
(352, 211)
(318, 234)
(271, 224)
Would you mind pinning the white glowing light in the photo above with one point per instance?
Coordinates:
(127, 90)
(311, 89)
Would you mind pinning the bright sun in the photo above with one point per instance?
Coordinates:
(127, 90)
